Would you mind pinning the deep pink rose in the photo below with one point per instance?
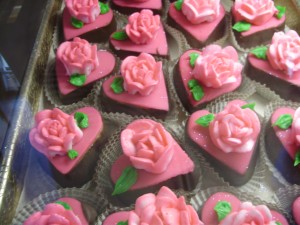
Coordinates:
(55, 132)
(216, 66)
(141, 74)
(84, 10)
(78, 56)
(142, 27)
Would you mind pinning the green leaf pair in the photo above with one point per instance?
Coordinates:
(196, 89)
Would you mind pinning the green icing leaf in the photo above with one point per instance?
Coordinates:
(82, 119)
(72, 154)
(64, 204)
(241, 26)
(284, 121)
(193, 58)
(250, 106)
(104, 8)
(117, 85)
(204, 121)
(297, 159)
(76, 23)
(278, 223)
(281, 11)
(178, 4)
(123, 222)
(192, 83)
(77, 80)
(222, 208)
(197, 92)
(260, 52)
(126, 180)
(119, 35)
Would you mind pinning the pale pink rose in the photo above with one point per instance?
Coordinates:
(141, 74)
(235, 129)
(142, 27)
(78, 56)
(148, 145)
(164, 208)
(55, 132)
(84, 10)
(284, 52)
(216, 66)
(199, 11)
(53, 214)
(249, 214)
(296, 127)
(256, 12)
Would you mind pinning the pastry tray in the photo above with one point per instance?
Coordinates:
(15, 157)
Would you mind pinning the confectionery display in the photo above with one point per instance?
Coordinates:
(149, 105)
(278, 64)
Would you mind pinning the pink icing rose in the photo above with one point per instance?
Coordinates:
(53, 214)
(84, 10)
(148, 145)
(234, 129)
(249, 214)
(199, 11)
(55, 132)
(296, 127)
(142, 27)
(78, 56)
(284, 52)
(254, 11)
(216, 66)
(165, 208)
(141, 74)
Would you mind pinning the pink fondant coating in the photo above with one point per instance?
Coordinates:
(158, 99)
(238, 162)
(201, 31)
(179, 165)
(71, 32)
(114, 218)
(210, 93)
(296, 210)
(208, 215)
(157, 46)
(265, 66)
(150, 4)
(106, 65)
(286, 137)
(272, 23)
(63, 163)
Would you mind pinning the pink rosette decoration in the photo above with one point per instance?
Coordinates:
(254, 11)
(55, 132)
(249, 214)
(142, 27)
(296, 127)
(284, 52)
(234, 129)
(216, 66)
(53, 214)
(148, 145)
(165, 208)
(141, 74)
(199, 11)
(78, 56)
(84, 10)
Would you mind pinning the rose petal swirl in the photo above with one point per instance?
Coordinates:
(55, 132)
(249, 214)
(86, 11)
(165, 208)
(141, 74)
(234, 129)
(284, 52)
(216, 66)
(53, 214)
(199, 11)
(78, 56)
(256, 12)
(142, 27)
(148, 145)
